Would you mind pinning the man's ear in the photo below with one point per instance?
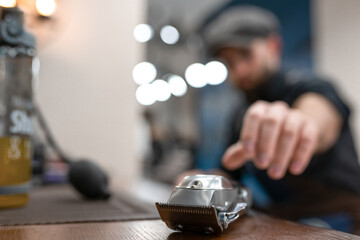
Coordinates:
(275, 44)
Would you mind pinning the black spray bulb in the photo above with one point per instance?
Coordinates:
(89, 179)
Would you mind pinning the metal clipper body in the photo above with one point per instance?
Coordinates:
(205, 203)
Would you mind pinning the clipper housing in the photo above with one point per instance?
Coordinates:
(204, 203)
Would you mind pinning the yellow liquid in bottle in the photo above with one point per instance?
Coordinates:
(15, 168)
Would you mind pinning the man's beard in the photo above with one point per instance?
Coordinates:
(260, 80)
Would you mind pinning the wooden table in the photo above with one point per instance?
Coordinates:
(252, 226)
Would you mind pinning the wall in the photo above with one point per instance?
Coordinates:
(337, 48)
(86, 90)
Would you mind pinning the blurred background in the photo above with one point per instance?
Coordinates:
(128, 83)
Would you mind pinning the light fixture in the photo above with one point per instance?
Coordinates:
(7, 3)
(195, 75)
(177, 85)
(143, 33)
(216, 72)
(145, 94)
(45, 7)
(144, 72)
(161, 90)
(169, 34)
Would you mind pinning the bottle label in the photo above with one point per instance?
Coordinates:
(16, 124)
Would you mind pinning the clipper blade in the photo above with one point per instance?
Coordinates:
(190, 218)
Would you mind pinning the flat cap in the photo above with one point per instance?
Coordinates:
(238, 27)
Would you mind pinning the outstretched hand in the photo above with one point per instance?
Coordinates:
(276, 137)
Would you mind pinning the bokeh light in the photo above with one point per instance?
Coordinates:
(35, 70)
(216, 72)
(145, 94)
(169, 34)
(45, 7)
(195, 75)
(35, 66)
(7, 3)
(161, 90)
(143, 33)
(177, 85)
(144, 72)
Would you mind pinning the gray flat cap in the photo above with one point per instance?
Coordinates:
(238, 27)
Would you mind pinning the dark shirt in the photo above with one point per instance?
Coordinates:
(338, 167)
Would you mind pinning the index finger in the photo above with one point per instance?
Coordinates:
(251, 126)
(234, 156)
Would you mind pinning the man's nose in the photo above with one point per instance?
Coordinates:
(241, 69)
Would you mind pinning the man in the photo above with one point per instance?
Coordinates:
(293, 137)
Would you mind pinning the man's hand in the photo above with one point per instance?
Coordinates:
(277, 138)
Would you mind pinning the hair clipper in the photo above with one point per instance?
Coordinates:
(204, 203)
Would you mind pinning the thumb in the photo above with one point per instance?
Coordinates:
(234, 157)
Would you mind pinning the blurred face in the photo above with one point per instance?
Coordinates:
(250, 66)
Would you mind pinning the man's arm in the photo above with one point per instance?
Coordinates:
(277, 137)
(325, 115)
